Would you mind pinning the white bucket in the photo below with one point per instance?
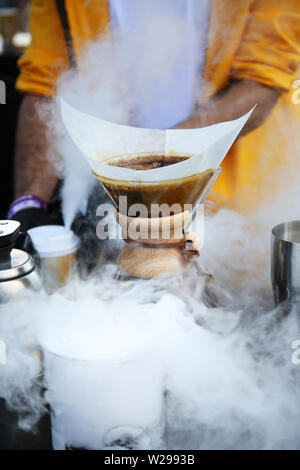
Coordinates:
(105, 404)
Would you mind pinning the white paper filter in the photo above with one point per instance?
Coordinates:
(101, 141)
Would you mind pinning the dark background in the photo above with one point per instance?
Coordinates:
(11, 437)
(8, 120)
(13, 18)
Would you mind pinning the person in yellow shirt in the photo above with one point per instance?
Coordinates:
(251, 56)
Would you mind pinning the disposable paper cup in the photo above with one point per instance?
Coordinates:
(57, 247)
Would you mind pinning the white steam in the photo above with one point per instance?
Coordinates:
(141, 76)
(228, 371)
(229, 375)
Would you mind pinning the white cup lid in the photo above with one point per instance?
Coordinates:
(53, 240)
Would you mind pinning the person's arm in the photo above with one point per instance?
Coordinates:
(237, 99)
(265, 64)
(34, 168)
(40, 66)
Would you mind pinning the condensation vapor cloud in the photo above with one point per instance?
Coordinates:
(124, 77)
(228, 371)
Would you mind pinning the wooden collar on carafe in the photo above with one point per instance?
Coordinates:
(159, 232)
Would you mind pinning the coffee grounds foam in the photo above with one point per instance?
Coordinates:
(148, 162)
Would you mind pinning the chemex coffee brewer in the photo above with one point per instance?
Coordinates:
(156, 179)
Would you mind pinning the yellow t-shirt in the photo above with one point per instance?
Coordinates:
(251, 39)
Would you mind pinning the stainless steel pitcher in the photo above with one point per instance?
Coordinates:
(285, 262)
(17, 267)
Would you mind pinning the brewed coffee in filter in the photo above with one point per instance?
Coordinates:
(175, 193)
(151, 166)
